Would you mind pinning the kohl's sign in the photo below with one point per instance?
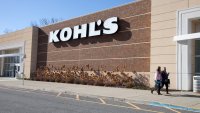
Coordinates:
(109, 26)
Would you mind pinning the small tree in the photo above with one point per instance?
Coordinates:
(45, 21)
(7, 31)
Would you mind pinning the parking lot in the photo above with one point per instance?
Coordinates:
(15, 100)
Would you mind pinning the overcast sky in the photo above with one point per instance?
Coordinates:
(18, 14)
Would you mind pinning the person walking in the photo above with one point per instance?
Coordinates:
(158, 79)
(165, 80)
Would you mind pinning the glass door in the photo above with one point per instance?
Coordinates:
(8, 59)
(9, 66)
(1, 67)
(197, 57)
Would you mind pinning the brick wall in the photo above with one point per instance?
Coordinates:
(129, 47)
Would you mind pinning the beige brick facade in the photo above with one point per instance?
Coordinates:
(163, 29)
(27, 38)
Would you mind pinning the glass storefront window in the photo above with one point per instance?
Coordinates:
(7, 63)
(197, 47)
(197, 57)
(1, 71)
(197, 66)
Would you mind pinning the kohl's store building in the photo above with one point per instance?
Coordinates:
(139, 36)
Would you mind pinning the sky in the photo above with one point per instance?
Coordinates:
(18, 14)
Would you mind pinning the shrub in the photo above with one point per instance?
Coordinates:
(98, 77)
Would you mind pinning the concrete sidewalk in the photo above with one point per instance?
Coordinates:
(176, 98)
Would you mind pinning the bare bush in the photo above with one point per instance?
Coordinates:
(98, 77)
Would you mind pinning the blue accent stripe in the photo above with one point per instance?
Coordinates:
(173, 106)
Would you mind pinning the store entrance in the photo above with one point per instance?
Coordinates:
(188, 47)
(10, 66)
(10, 62)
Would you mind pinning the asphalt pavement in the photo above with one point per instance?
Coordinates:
(182, 100)
(22, 100)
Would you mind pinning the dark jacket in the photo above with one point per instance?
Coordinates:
(164, 75)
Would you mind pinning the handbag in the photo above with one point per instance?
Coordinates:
(167, 81)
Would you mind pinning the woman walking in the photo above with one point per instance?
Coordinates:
(158, 80)
(165, 80)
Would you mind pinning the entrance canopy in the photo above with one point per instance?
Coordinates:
(11, 55)
(187, 37)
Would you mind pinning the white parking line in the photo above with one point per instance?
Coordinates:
(133, 105)
(120, 106)
(33, 89)
(58, 94)
(28, 90)
(102, 100)
(77, 97)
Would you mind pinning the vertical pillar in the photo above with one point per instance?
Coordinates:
(0, 66)
(2, 63)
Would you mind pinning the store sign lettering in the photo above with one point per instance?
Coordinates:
(109, 26)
